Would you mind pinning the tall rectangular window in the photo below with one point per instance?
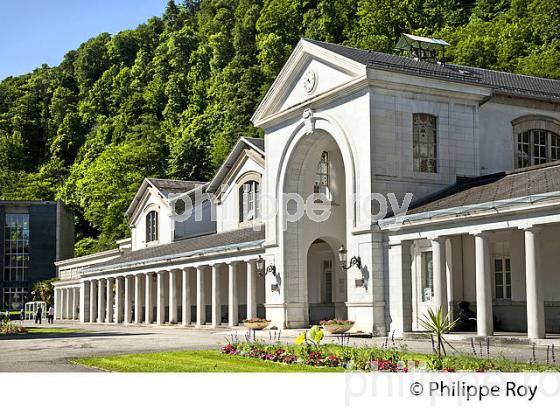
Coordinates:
(424, 142)
(427, 278)
(249, 201)
(321, 184)
(16, 247)
(502, 278)
(328, 278)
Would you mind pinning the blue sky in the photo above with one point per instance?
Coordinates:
(33, 32)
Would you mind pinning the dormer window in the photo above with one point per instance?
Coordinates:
(152, 226)
(322, 177)
(249, 201)
(536, 147)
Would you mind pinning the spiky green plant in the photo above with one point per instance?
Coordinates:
(438, 324)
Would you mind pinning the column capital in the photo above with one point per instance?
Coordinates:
(480, 233)
(531, 228)
(436, 238)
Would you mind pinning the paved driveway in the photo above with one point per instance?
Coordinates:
(50, 352)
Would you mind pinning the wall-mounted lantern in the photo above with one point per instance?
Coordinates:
(262, 271)
(343, 258)
(354, 261)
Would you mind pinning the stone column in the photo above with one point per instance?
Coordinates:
(75, 303)
(92, 301)
(200, 299)
(110, 300)
(449, 276)
(149, 290)
(186, 297)
(101, 301)
(439, 271)
(216, 297)
(400, 287)
(535, 303)
(60, 307)
(127, 299)
(233, 314)
(173, 296)
(138, 299)
(485, 326)
(84, 302)
(251, 290)
(160, 298)
(119, 296)
(67, 304)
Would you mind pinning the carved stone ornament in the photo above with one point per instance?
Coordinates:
(309, 120)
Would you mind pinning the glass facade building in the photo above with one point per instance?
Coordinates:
(34, 234)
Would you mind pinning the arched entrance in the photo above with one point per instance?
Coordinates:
(326, 283)
(316, 166)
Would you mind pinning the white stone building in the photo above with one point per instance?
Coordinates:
(475, 148)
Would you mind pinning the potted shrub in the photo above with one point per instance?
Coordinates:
(256, 323)
(336, 326)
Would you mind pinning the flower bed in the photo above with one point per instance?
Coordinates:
(9, 328)
(369, 359)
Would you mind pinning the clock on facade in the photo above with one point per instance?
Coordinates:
(309, 81)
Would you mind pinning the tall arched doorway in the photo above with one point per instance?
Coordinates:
(326, 283)
(316, 166)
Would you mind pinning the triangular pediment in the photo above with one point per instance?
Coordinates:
(310, 72)
(245, 150)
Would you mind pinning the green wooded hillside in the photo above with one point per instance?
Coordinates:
(169, 98)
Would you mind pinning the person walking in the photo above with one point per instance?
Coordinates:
(50, 315)
(39, 315)
(22, 315)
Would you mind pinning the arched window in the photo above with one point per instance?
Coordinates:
(322, 177)
(537, 146)
(424, 142)
(151, 226)
(249, 201)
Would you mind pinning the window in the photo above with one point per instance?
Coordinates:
(502, 272)
(537, 146)
(152, 226)
(427, 279)
(16, 247)
(322, 177)
(14, 298)
(249, 201)
(424, 143)
(328, 279)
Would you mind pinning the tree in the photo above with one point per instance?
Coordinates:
(171, 97)
(43, 291)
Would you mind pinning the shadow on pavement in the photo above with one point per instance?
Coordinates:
(68, 335)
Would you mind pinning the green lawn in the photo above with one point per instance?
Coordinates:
(54, 330)
(205, 361)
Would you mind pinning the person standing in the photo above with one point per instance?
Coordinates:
(39, 315)
(50, 315)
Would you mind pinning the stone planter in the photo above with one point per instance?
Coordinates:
(256, 325)
(338, 328)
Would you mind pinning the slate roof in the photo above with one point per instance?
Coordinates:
(174, 186)
(501, 82)
(257, 142)
(184, 246)
(540, 179)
